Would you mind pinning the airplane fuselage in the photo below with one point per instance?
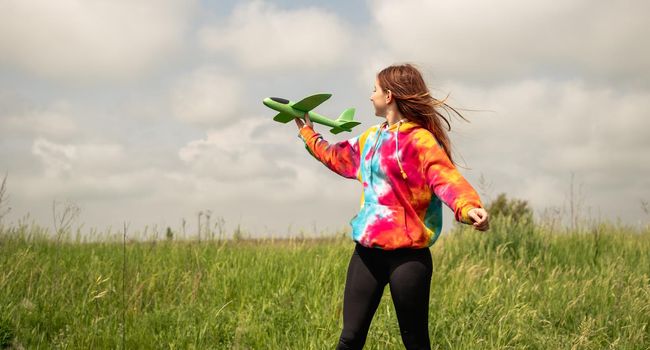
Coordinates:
(286, 106)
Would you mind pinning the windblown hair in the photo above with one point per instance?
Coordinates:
(415, 102)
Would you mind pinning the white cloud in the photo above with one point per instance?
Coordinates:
(89, 170)
(56, 158)
(262, 36)
(505, 39)
(235, 153)
(208, 96)
(255, 158)
(53, 121)
(68, 159)
(82, 40)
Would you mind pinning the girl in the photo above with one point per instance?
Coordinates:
(406, 168)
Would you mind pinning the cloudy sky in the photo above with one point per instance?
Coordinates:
(149, 111)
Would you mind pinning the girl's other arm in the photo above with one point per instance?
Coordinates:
(452, 188)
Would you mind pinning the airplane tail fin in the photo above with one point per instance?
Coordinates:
(347, 121)
(346, 116)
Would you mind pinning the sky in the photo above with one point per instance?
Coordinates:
(148, 112)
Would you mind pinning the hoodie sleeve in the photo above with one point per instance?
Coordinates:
(342, 157)
(447, 183)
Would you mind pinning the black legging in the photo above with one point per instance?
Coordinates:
(408, 272)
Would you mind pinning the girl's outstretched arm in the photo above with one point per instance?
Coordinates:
(342, 157)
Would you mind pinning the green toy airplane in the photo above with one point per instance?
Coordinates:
(290, 110)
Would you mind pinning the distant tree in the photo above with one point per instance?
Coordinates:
(517, 209)
(169, 234)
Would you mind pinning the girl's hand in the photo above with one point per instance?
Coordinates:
(480, 218)
(301, 123)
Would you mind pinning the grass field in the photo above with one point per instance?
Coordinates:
(516, 287)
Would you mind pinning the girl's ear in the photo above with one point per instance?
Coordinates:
(389, 96)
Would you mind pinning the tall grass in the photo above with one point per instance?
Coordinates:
(517, 287)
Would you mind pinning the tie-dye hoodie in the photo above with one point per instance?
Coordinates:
(405, 175)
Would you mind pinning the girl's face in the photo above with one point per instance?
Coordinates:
(379, 100)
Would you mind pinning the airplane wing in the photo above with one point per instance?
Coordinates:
(309, 103)
(283, 117)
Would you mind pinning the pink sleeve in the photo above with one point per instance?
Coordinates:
(341, 157)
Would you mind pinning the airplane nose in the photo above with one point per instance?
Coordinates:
(268, 102)
(280, 100)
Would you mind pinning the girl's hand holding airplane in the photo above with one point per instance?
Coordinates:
(302, 124)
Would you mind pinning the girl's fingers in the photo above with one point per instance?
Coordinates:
(482, 226)
(480, 218)
(299, 122)
(475, 214)
(307, 120)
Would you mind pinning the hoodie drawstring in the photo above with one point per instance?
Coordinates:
(374, 147)
(399, 123)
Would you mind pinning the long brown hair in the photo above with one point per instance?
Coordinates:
(415, 102)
